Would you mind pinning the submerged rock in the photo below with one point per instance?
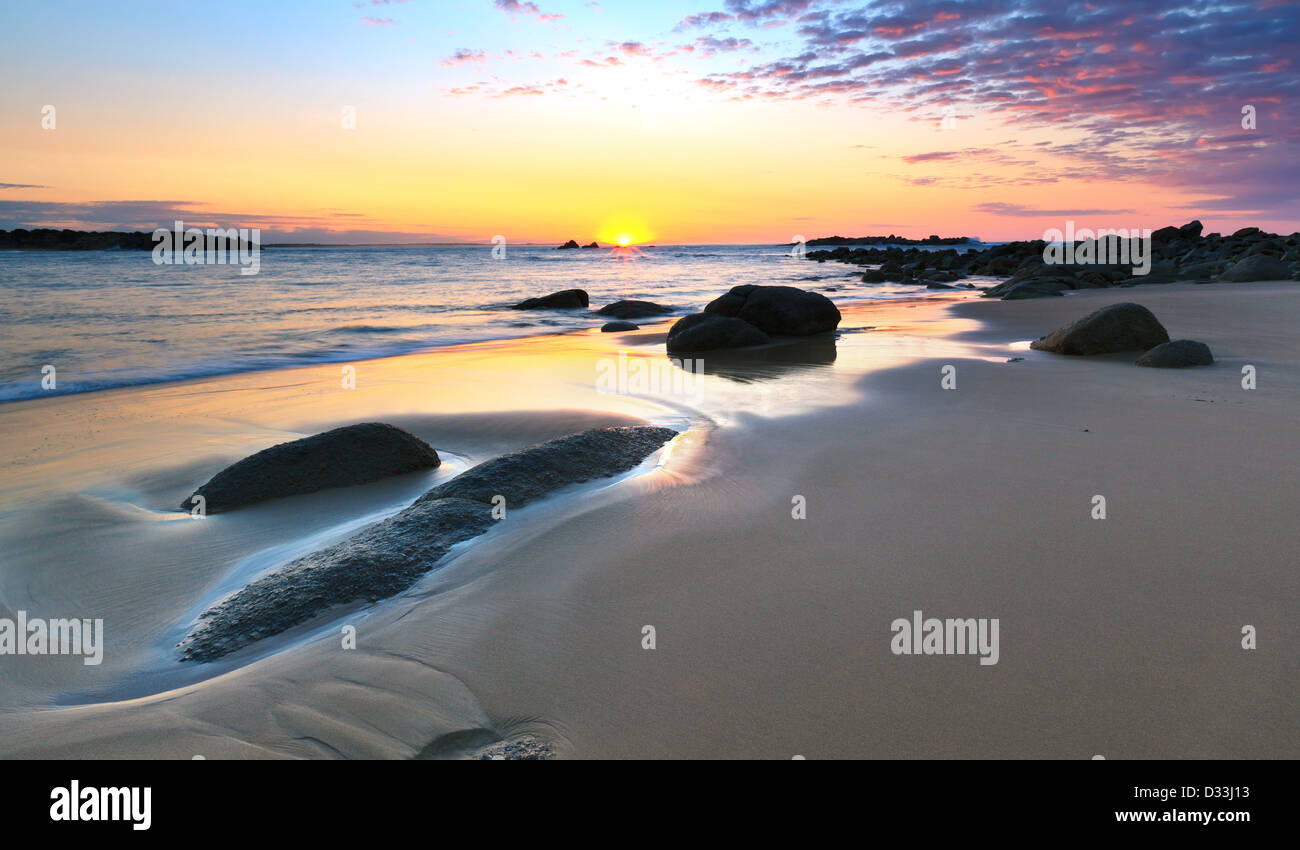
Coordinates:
(615, 327)
(711, 331)
(628, 309)
(781, 310)
(353, 454)
(388, 557)
(1177, 354)
(1119, 327)
(565, 299)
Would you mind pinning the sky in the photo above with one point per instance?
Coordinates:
(722, 121)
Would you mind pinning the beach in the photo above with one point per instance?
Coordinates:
(1119, 637)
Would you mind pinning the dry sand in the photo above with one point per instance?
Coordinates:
(1119, 637)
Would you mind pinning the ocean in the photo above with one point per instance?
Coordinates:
(114, 318)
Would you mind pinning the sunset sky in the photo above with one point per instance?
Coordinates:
(722, 121)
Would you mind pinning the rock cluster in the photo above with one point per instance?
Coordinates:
(1177, 254)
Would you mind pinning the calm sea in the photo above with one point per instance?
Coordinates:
(114, 318)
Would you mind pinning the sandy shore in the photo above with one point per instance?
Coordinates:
(1119, 637)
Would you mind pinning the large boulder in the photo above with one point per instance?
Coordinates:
(1177, 354)
(1256, 267)
(565, 299)
(1119, 327)
(710, 331)
(353, 454)
(388, 557)
(628, 309)
(778, 309)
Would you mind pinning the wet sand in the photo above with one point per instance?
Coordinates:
(1119, 637)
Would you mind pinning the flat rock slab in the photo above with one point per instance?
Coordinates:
(1177, 354)
(388, 557)
(1119, 327)
(353, 454)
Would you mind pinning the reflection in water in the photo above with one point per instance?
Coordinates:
(760, 364)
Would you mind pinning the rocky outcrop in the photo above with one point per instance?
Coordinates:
(1119, 327)
(591, 245)
(1177, 354)
(628, 309)
(1178, 253)
(353, 454)
(711, 331)
(568, 246)
(388, 557)
(781, 310)
(566, 299)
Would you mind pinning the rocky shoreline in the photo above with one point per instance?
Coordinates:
(1177, 254)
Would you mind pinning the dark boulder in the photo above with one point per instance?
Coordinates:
(873, 276)
(778, 309)
(1256, 267)
(388, 557)
(591, 245)
(567, 245)
(614, 327)
(1119, 327)
(353, 454)
(710, 331)
(633, 309)
(1177, 354)
(566, 299)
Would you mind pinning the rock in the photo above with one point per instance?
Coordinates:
(1034, 287)
(1191, 230)
(388, 557)
(633, 309)
(1119, 327)
(873, 276)
(613, 327)
(778, 309)
(1256, 267)
(1200, 271)
(567, 245)
(1177, 354)
(591, 245)
(710, 331)
(563, 300)
(1246, 231)
(939, 286)
(353, 454)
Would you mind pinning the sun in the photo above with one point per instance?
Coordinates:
(624, 231)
